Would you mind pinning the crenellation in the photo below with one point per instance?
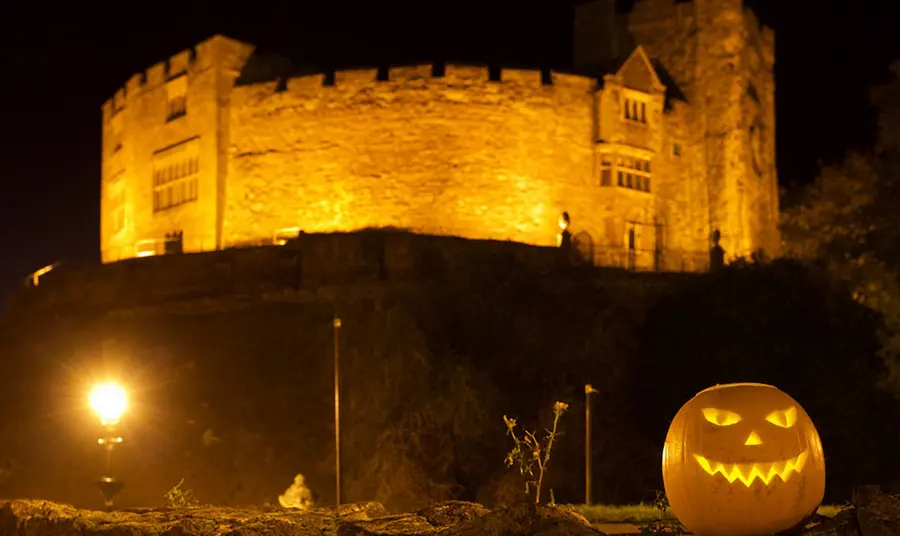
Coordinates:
(119, 100)
(412, 72)
(355, 77)
(230, 54)
(134, 86)
(474, 73)
(306, 84)
(474, 76)
(155, 76)
(205, 54)
(571, 81)
(179, 63)
(525, 77)
(107, 110)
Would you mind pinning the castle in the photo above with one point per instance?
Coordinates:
(659, 145)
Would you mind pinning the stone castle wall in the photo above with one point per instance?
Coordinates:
(458, 150)
(463, 154)
(456, 154)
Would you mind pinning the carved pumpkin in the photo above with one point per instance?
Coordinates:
(743, 459)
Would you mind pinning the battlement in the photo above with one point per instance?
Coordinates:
(197, 59)
(451, 75)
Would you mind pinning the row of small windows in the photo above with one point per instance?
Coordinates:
(636, 111)
(174, 194)
(176, 183)
(176, 171)
(633, 173)
(634, 181)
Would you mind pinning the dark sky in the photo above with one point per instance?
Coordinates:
(61, 62)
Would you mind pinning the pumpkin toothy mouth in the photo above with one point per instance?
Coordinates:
(748, 472)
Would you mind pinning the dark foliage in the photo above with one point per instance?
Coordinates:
(235, 397)
(785, 324)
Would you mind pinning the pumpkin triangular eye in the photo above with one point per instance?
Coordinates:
(721, 417)
(783, 418)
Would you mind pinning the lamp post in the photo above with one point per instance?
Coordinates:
(109, 401)
(337, 409)
(588, 483)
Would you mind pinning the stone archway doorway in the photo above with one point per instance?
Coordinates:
(584, 248)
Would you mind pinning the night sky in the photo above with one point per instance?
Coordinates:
(60, 63)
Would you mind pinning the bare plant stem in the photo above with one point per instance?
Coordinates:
(542, 463)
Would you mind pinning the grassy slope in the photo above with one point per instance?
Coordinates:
(645, 513)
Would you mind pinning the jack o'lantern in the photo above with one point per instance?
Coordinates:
(743, 459)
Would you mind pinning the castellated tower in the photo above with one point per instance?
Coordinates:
(164, 146)
(664, 137)
(722, 63)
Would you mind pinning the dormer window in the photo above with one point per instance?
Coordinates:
(635, 110)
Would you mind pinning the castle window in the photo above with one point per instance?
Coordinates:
(176, 108)
(636, 110)
(751, 91)
(176, 175)
(115, 141)
(176, 97)
(115, 133)
(634, 173)
(605, 170)
(676, 149)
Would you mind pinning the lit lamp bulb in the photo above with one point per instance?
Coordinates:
(109, 401)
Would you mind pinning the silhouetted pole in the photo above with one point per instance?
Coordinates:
(588, 389)
(337, 409)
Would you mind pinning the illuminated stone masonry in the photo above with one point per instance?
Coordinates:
(664, 136)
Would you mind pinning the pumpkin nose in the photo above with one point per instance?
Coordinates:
(753, 439)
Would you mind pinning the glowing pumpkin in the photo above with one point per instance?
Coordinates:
(743, 459)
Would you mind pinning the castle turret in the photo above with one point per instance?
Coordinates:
(735, 87)
(719, 58)
(165, 139)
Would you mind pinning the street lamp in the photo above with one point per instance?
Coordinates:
(337, 409)
(109, 402)
(588, 480)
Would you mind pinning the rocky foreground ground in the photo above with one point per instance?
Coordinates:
(873, 514)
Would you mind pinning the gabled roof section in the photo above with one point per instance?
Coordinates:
(638, 73)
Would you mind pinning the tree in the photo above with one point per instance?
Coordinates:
(847, 220)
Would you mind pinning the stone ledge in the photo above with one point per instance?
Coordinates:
(455, 518)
